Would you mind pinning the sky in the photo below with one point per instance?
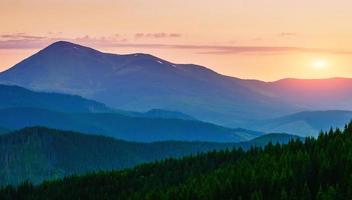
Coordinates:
(251, 39)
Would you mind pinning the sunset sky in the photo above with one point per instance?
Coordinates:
(256, 39)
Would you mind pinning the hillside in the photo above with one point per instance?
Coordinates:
(38, 153)
(308, 123)
(281, 138)
(14, 96)
(122, 126)
(141, 82)
(314, 169)
(156, 113)
(166, 114)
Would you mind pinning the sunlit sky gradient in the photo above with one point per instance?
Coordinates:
(260, 39)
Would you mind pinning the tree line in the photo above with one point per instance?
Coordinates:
(316, 168)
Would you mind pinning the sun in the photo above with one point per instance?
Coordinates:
(320, 64)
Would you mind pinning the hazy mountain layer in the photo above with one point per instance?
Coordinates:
(123, 127)
(308, 123)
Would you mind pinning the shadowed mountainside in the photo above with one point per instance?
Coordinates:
(310, 169)
(39, 153)
(14, 96)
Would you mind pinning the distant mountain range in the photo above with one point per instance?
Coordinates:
(308, 123)
(165, 114)
(39, 153)
(120, 126)
(15, 96)
(141, 82)
(157, 113)
(20, 108)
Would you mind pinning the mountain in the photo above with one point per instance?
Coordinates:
(156, 113)
(21, 107)
(166, 114)
(123, 127)
(308, 123)
(314, 169)
(14, 96)
(281, 138)
(39, 153)
(315, 94)
(141, 82)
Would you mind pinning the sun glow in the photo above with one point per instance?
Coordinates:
(320, 64)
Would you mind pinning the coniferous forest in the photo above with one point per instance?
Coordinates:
(312, 169)
(38, 153)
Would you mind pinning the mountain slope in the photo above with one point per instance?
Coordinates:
(156, 113)
(166, 114)
(281, 138)
(122, 126)
(38, 153)
(14, 96)
(141, 82)
(308, 123)
(314, 169)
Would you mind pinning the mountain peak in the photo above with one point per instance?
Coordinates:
(62, 43)
(65, 46)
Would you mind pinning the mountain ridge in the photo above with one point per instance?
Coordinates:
(125, 127)
(140, 82)
(16, 96)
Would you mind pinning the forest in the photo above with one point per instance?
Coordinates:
(38, 153)
(316, 168)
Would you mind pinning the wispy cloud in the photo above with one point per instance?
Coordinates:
(24, 41)
(99, 40)
(218, 49)
(17, 36)
(157, 35)
(287, 34)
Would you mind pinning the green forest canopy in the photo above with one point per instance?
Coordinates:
(314, 169)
